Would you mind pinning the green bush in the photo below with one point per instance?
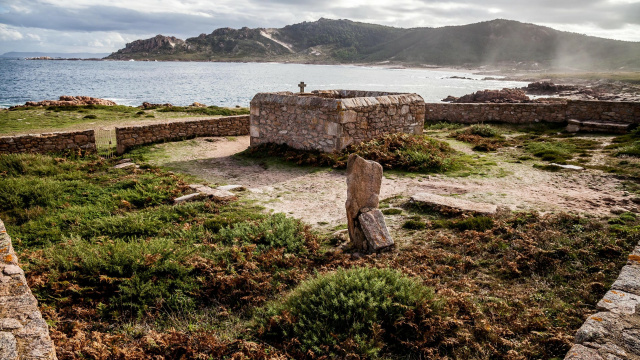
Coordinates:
(414, 225)
(346, 307)
(484, 131)
(277, 231)
(145, 273)
(415, 153)
(555, 151)
(478, 223)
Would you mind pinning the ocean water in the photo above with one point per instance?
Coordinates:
(222, 84)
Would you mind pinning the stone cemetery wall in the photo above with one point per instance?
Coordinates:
(612, 111)
(505, 113)
(333, 119)
(130, 136)
(48, 142)
(613, 332)
(23, 332)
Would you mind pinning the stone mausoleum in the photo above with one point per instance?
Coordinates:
(331, 120)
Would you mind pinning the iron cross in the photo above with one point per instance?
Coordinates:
(302, 86)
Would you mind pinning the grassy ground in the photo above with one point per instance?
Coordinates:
(120, 272)
(56, 118)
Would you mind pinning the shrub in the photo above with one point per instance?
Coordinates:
(90, 116)
(414, 225)
(277, 231)
(415, 153)
(356, 308)
(555, 151)
(484, 131)
(478, 223)
(392, 211)
(132, 275)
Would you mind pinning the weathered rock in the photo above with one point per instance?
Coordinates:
(23, 332)
(197, 104)
(580, 352)
(493, 96)
(574, 125)
(231, 188)
(69, 101)
(214, 194)
(367, 229)
(8, 346)
(146, 105)
(454, 203)
(619, 302)
(126, 165)
(628, 280)
(375, 230)
(190, 197)
(567, 167)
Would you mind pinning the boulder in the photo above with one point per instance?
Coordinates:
(364, 179)
(214, 194)
(375, 230)
(66, 100)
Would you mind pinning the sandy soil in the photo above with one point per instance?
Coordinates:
(318, 196)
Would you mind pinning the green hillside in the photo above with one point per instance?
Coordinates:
(343, 41)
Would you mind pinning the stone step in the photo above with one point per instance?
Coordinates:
(454, 203)
(574, 125)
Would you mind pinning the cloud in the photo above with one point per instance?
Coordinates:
(111, 24)
(9, 34)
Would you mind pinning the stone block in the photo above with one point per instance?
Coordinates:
(619, 302)
(375, 230)
(628, 280)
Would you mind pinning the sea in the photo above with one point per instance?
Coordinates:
(215, 83)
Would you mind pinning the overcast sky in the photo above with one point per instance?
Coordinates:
(105, 26)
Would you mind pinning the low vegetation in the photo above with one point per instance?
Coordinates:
(32, 119)
(414, 153)
(483, 137)
(121, 272)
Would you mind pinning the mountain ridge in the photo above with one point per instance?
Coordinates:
(329, 41)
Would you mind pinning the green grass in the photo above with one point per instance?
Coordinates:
(55, 118)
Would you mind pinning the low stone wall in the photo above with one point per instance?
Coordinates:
(504, 113)
(612, 111)
(333, 119)
(130, 136)
(24, 334)
(614, 332)
(48, 142)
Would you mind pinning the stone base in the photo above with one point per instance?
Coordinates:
(574, 126)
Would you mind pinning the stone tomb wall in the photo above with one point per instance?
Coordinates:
(330, 120)
(48, 142)
(611, 111)
(130, 136)
(23, 332)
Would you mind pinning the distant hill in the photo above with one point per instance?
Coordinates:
(496, 42)
(23, 55)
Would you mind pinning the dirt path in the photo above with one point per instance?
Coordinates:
(318, 196)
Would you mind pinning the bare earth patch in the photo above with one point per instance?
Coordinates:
(317, 196)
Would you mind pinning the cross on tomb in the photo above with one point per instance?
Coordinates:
(302, 85)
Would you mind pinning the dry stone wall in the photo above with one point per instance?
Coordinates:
(24, 334)
(332, 120)
(614, 332)
(48, 142)
(611, 111)
(127, 137)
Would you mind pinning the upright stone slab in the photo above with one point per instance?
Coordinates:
(364, 179)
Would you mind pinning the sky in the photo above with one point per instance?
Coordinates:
(106, 26)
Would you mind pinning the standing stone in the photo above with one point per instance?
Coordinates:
(364, 179)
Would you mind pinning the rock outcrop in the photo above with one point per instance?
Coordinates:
(158, 44)
(547, 88)
(492, 96)
(66, 100)
(367, 229)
